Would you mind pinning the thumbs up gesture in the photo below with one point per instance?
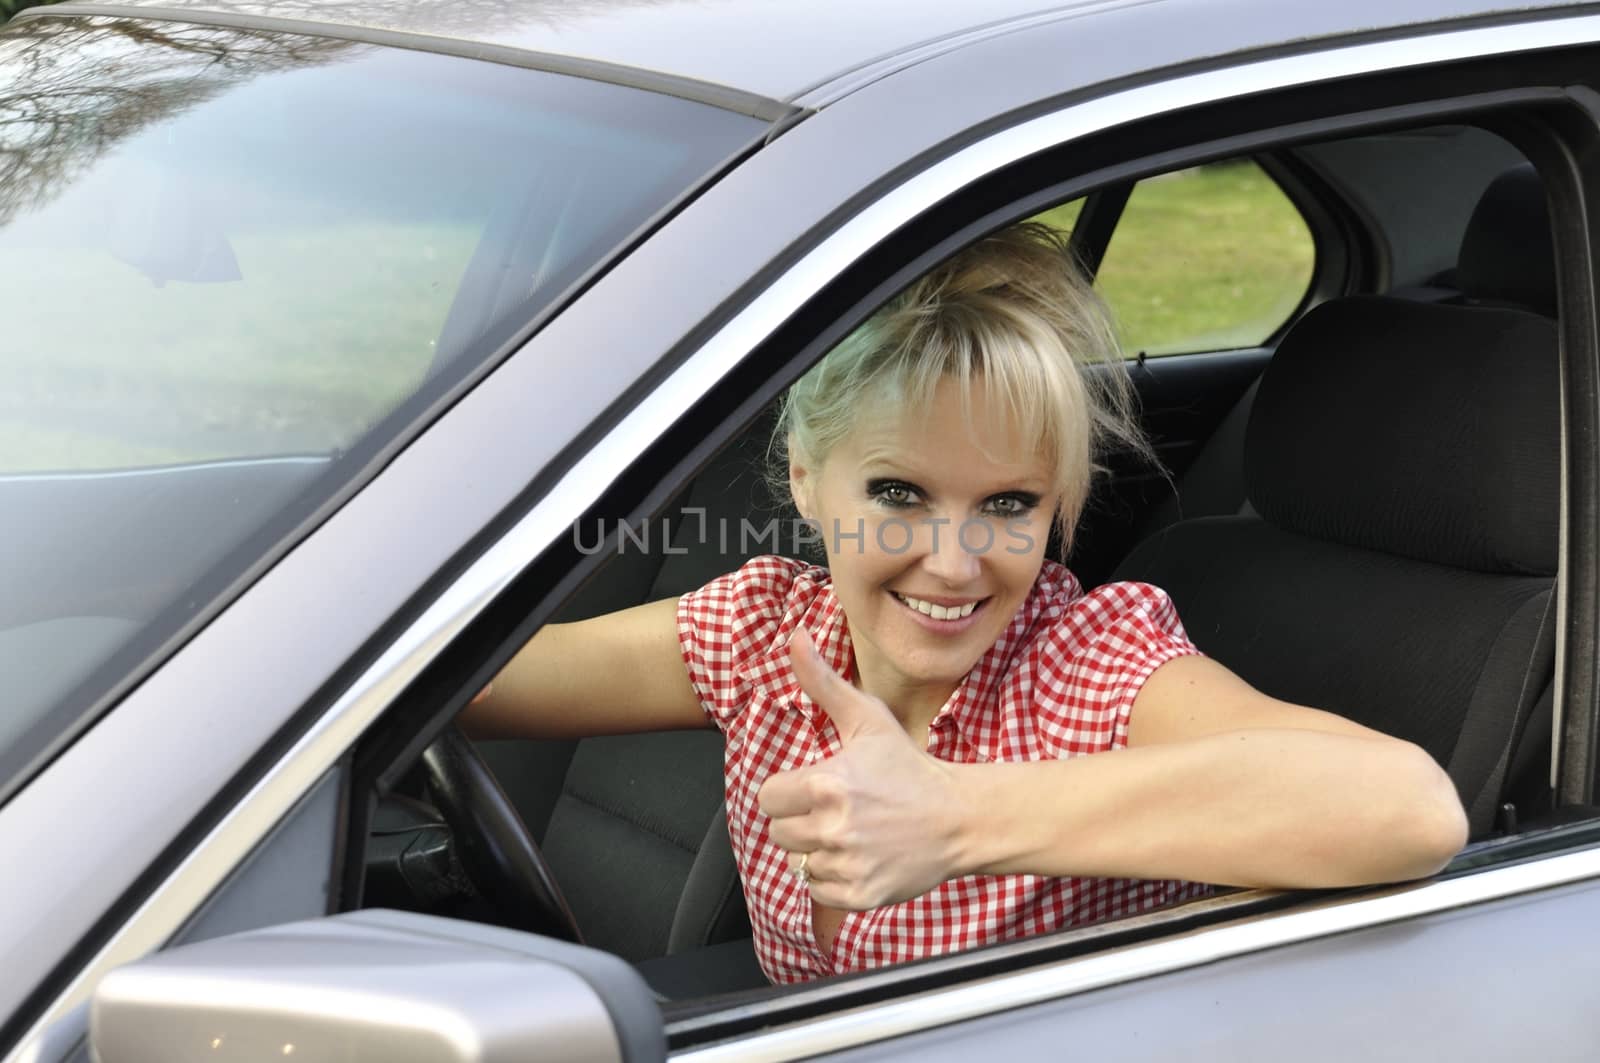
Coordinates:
(879, 822)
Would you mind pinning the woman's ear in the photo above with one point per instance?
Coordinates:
(800, 482)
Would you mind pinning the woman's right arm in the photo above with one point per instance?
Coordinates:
(613, 674)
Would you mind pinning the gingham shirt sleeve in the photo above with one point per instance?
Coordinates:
(1096, 659)
(725, 624)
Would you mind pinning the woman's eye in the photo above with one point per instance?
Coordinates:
(894, 494)
(1010, 506)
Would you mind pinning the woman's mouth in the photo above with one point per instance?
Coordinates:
(946, 619)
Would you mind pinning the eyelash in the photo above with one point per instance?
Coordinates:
(879, 491)
(1025, 504)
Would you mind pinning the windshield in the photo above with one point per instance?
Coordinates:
(234, 264)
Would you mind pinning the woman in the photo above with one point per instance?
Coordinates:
(908, 728)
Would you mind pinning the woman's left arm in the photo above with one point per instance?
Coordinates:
(1219, 784)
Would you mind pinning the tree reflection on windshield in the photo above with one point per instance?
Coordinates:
(71, 88)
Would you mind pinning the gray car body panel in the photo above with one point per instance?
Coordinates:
(1474, 984)
(199, 721)
(809, 51)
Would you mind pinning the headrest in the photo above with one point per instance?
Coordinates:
(1416, 429)
(1507, 255)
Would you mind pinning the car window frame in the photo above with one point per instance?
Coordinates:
(805, 1017)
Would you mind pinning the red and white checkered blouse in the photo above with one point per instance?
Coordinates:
(1059, 682)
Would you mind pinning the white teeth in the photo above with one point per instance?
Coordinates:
(939, 612)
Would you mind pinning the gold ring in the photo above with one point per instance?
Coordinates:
(799, 870)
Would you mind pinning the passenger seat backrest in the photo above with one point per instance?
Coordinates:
(1506, 258)
(1417, 430)
(1403, 460)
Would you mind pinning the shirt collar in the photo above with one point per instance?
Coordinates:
(822, 615)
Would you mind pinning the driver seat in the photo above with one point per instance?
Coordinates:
(633, 825)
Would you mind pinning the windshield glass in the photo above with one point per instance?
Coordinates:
(234, 264)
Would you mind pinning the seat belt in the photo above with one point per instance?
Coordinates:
(1486, 806)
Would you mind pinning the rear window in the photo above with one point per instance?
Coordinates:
(1207, 259)
(234, 264)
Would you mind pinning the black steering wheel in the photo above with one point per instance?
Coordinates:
(496, 850)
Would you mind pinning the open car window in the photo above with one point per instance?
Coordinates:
(612, 788)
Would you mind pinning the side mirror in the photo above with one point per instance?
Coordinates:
(376, 985)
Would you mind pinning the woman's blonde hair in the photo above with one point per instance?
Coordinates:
(1013, 310)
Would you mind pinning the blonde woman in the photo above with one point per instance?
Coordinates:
(940, 740)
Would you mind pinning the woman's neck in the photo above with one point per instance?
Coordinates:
(913, 704)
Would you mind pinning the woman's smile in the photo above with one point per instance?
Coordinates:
(942, 615)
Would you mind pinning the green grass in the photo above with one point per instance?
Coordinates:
(1201, 260)
(1206, 259)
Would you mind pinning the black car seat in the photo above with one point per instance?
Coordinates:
(632, 824)
(1506, 258)
(1508, 255)
(1401, 463)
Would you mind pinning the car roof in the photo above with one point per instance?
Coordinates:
(802, 52)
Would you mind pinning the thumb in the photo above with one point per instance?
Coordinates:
(854, 713)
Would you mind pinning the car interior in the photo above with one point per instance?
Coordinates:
(1360, 514)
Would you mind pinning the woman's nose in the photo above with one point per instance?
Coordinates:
(950, 559)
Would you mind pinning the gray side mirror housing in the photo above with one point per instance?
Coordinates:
(394, 986)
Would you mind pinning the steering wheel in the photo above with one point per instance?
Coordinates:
(496, 850)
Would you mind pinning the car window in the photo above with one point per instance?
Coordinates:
(628, 777)
(1062, 218)
(1209, 258)
(235, 263)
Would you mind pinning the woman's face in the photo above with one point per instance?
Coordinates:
(935, 530)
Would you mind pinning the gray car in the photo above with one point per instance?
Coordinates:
(345, 343)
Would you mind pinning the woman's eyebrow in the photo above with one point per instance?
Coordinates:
(1027, 485)
(891, 465)
(893, 478)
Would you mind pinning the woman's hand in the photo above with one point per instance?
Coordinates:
(879, 822)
